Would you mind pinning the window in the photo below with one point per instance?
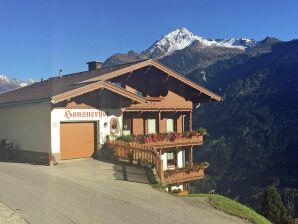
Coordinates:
(118, 84)
(126, 126)
(170, 125)
(139, 93)
(151, 126)
(170, 159)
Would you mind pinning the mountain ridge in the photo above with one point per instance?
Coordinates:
(7, 83)
(182, 38)
(206, 50)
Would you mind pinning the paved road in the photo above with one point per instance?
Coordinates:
(8, 216)
(90, 191)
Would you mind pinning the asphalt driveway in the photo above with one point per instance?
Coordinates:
(90, 191)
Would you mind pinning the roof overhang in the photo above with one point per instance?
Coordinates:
(24, 103)
(94, 86)
(159, 66)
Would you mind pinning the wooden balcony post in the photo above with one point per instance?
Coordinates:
(159, 121)
(190, 121)
(161, 170)
(190, 157)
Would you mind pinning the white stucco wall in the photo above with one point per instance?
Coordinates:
(27, 127)
(67, 115)
(178, 186)
(181, 158)
(164, 161)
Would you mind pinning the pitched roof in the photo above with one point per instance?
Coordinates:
(58, 88)
(94, 86)
(45, 90)
(161, 67)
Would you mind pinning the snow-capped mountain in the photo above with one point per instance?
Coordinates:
(182, 38)
(7, 83)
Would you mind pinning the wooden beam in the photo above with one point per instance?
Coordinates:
(159, 121)
(190, 121)
(190, 157)
(174, 109)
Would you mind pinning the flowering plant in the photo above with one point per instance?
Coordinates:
(186, 169)
(161, 137)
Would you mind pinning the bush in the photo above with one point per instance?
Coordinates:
(126, 138)
(204, 165)
(5, 145)
(106, 152)
(176, 191)
(202, 131)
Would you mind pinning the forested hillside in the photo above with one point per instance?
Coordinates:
(253, 140)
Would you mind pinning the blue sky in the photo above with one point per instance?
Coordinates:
(39, 37)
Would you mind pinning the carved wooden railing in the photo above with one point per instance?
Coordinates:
(145, 152)
(194, 140)
(140, 152)
(184, 176)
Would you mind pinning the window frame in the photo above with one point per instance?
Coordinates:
(172, 165)
(155, 126)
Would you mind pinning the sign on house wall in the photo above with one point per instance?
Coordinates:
(103, 118)
(78, 114)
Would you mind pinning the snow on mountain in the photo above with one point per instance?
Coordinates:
(7, 83)
(181, 38)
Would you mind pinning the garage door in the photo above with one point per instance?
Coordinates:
(77, 140)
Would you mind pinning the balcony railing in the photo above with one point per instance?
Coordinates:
(145, 149)
(140, 152)
(194, 140)
(165, 140)
(184, 176)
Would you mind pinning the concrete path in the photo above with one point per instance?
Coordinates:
(8, 216)
(90, 191)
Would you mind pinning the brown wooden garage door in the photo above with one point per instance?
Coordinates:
(77, 140)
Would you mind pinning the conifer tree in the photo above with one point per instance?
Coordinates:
(272, 207)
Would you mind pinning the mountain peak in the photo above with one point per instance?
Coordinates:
(175, 40)
(7, 83)
(182, 38)
(270, 40)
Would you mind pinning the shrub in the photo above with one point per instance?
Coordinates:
(202, 131)
(126, 138)
(176, 191)
(204, 164)
(5, 145)
(106, 152)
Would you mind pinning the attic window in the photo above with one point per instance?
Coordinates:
(118, 84)
(139, 93)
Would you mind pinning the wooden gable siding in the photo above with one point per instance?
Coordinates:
(179, 124)
(97, 99)
(170, 101)
(139, 121)
(163, 125)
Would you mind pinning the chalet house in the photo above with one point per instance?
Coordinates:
(143, 110)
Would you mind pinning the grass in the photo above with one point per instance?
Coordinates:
(234, 208)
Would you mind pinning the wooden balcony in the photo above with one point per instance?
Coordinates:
(164, 140)
(148, 152)
(180, 177)
(140, 151)
(194, 140)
